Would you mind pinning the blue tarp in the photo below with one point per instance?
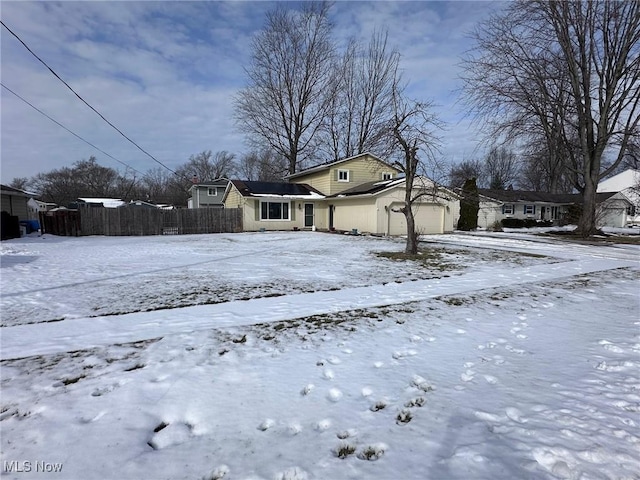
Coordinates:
(32, 225)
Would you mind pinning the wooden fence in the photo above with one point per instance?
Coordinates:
(146, 221)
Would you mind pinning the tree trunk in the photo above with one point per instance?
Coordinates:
(412, 236)
(587, 222)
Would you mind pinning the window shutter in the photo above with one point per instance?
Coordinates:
(292, 210)
(534, 209)
(503, 208)
(336, 175)
(257, 210)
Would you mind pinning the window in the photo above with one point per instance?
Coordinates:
(507, 209)
(274, 211)
(212, 191)
(529, 209)
(631, 210)
(343, 175)
(387, 176)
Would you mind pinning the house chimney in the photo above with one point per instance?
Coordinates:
(194, 179)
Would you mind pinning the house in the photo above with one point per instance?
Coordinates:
(374, 207)
(208, 195)
(275, 205)
(37, 206)
(143, 204)
(14, 210)
(360, 193)
(496, 205)
(15, 202)
(626, 183)
(97, 203)
(335, 177)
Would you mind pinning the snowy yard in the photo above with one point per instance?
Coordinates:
(301, 355)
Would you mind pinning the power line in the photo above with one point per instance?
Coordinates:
(71, 132)
(85, 102)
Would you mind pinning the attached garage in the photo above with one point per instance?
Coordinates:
(429, 219)
(375, 208)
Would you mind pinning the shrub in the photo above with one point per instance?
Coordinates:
(524, 223)
(495, 227)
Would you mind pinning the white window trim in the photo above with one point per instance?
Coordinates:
(343, 171)
(509, 206)
(215, 189)
(387, 176)
(288, 219)
(528, 207)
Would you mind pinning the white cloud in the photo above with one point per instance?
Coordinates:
(165, 73)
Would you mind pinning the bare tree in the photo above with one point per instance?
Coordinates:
(21, 183)
(357, 119)
(565, 71)
(206, 167)
(262, 165)
(290, 83)
(501, 168)
(415, 143)
(85, 178)
(465, 170)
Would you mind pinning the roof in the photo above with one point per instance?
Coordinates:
(370, 188)
(220, 182)
(276, 189)
(373, 188)
(7, 190)
(328, 165)
(106, 202)
(521, 196)
(628, 179)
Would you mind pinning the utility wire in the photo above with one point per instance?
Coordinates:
(72, 133)
(85, 102)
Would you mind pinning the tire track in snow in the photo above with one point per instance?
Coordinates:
(80, 334)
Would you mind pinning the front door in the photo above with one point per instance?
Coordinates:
(308, 214)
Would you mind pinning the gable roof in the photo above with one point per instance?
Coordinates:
(369, 188)
(328, 165)
(628, 179)
(218, 182)
(373, 188)
(276, 189)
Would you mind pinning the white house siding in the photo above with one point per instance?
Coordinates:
(488, 214)
(613, 212)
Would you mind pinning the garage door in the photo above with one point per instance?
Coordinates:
(429, 219)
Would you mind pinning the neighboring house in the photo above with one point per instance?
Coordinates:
(15, 202)
(626, 183)
(361, 193)
(143, 204)
(496, 205)
(208, 195)
(36, 207)
(97, 202)
(275, 205)
(15, 211)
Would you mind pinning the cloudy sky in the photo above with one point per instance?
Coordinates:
(165, 73)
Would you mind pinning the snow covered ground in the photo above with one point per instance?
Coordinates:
(302, 355)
